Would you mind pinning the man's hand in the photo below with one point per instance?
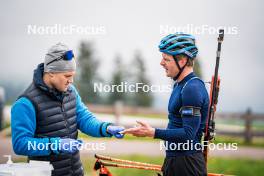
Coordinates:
(143, 130)
(68, 145)
(115, 131)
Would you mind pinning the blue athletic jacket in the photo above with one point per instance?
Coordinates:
(23, 125)
(183, 127)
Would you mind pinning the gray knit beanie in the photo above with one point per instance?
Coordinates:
(53, 65)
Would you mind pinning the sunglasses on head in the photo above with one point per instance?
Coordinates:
(67, 56)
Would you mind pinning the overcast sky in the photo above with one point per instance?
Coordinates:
(121, 27)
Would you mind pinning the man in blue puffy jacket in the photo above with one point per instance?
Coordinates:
(49, 113)
(187, 108)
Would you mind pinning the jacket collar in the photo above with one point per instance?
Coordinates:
(184, 80)
(38, 81)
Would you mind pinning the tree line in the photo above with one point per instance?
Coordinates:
(88, 75)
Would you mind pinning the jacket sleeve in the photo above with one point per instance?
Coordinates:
(191, 96)
(87, 122)
(23, 126)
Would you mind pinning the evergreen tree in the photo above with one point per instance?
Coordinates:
(87, 73)
(141, 98)
(117, 78)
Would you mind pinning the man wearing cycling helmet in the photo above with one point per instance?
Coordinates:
(188, 108)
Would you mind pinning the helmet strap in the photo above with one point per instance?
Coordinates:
(180, 68)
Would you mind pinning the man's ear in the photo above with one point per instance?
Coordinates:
(182, 61)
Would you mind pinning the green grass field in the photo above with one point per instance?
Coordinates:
(241, 167)
(227, 166)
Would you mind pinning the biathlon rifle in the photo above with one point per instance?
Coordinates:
(214, 91)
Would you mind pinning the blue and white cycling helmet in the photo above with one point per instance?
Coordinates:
(179, 43)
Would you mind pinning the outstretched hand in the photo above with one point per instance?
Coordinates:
(116, 131)
(141, 130)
